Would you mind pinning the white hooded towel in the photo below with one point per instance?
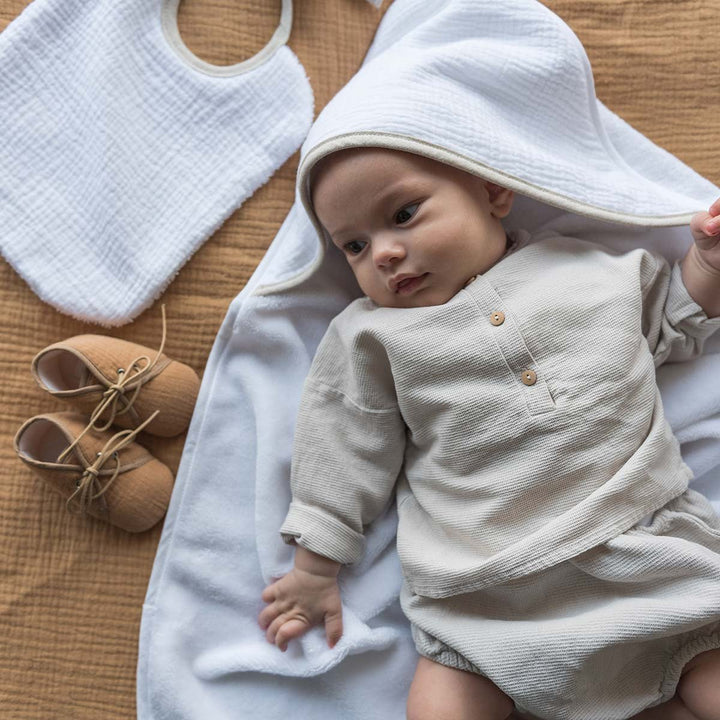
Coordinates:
(501, 88)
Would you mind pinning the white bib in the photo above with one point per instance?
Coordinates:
(121, 151)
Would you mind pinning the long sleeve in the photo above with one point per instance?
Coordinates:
(349, 445)
(675, 326)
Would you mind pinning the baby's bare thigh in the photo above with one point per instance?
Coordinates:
(699, 686)
(439, 692)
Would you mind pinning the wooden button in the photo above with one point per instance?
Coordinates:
(528, 377)
(497, 318)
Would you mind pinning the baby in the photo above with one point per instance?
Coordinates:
(504, 391)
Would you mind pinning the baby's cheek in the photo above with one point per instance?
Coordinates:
(371, 286)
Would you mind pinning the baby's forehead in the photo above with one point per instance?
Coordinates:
(357, 158)
(382, 164)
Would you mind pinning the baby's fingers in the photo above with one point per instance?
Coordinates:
(289, 630)
(287, 618)
(268, 594)
(711, 220)
(272, 629)
(268, 614)
(705, 229)
(333, 628)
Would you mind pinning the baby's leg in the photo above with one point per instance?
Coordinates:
(699, 687)
(698, 692)
(439, 692)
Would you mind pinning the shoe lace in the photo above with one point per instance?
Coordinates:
(116, 390)
(89, 488)
(113, 393)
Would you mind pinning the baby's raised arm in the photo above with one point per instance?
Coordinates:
(701, 266)
(307, 596)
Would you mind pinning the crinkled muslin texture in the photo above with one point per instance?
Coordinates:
(501, 88)
(121, 152)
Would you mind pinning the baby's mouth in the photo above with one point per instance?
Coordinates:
(408, 284)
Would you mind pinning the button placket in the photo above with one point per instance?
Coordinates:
(512, 345)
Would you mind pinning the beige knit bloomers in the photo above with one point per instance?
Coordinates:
(599, 637)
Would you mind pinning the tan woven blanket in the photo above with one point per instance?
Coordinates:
(72, 589)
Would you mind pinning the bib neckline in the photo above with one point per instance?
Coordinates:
(171, 32)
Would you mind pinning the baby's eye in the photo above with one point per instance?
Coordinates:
(354, 247)
(402, 216)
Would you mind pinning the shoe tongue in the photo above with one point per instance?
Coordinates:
(104, 356)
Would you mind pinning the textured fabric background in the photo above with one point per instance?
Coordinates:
(71, 589)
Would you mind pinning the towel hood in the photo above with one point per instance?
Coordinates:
(502, 89)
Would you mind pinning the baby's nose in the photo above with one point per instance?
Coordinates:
(387, 251)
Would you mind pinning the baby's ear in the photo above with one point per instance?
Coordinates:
(501, 199)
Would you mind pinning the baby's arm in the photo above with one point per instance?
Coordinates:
(307, 596)
(701, 266)
(347, 453)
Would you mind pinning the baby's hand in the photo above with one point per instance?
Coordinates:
(300, 600)
(705, 227)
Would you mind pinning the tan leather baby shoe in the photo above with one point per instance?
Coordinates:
(117, 382)
(106, 475)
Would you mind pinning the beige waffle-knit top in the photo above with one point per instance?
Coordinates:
(520, 422)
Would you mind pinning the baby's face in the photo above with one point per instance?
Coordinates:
(413, 230)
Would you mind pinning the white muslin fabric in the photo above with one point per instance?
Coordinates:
(121, 152)
(501, 88)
